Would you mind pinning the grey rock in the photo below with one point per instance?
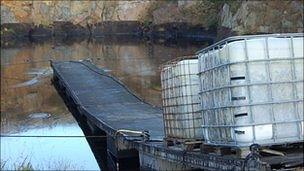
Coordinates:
(7, 16)
(226, 16)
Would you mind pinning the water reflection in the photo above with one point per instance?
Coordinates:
(30, 106)
(51, 153)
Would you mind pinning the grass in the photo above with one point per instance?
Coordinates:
(2, 164)
(26, 165)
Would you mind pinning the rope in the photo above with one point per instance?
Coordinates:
(52, 136)
(60, 136)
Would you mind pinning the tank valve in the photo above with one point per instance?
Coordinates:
(146, 135)
(253, 159)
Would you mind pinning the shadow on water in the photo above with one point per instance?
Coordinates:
(26, 88)
(95, 137)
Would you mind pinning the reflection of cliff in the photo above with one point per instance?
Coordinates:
(136, 64)
(19, 102)
(132, 64)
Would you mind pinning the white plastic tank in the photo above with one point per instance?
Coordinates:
(181, 105)
(251, 90)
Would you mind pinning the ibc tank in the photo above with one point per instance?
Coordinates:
(180, 88)
(251, 90)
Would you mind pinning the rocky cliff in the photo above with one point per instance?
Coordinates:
(228, 17)
(263, 17)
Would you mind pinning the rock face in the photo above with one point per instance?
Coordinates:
(233, 17)
(254, 17)
(77, 12)
(7, 16)
(92, 12)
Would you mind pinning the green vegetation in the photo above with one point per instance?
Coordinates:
(208, 11)
(205, 12)
(147, 23)
(7, 31)
(155, 86)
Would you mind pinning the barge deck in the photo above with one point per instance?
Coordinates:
(134, 129)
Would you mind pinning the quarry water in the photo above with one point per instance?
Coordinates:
(37, 129)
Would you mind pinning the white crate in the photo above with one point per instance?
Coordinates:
(252, 90)
(180, 87)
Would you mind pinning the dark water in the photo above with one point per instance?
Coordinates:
(39, 131)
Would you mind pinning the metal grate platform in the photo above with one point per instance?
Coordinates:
(107, 101)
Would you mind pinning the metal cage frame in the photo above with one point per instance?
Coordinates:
(171, 93)
(218, 46)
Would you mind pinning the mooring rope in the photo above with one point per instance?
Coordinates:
(53, 136)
